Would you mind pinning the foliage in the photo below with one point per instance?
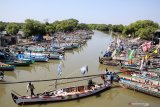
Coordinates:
(12, 28)
(50, 29)
(117, 28)
(2, 26)
(82, 26)
(33, 27)
(66, 25)
(101, 27)
(146, 33)
(141, 28)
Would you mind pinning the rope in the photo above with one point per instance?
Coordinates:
(50, 79)
(75, 81)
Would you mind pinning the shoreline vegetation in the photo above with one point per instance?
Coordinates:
(143, 29)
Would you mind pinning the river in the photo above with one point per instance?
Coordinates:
(74, 60)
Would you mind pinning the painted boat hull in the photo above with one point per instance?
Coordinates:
(139, 89)
(19, 63)
(57, 98)
(7, 68)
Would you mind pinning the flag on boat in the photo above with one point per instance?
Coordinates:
(131, 54)
(156, 51)
(84, 69)
(59, 69)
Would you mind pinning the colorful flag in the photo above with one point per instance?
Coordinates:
(59, 69)
(131, 54)
(156, 51)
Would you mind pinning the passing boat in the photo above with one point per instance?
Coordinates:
(64, 94)
(6, 67)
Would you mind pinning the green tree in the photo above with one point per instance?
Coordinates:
(146, 33)
(50, 29)
(117, 28)
(12, 28)
(141, 28)
(2, 26)
(82, 26)
(33, 27)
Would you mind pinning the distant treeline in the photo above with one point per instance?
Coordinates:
(141, 28)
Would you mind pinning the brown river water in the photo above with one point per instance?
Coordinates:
(74, 60)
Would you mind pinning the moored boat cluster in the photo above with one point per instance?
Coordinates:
(139, 62)
(54, 49)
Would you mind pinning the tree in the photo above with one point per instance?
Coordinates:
(66, 25)
(33, 27)
(146, 33)
(141, 28)
(50, 29)
(82, 26)
(117, 28)
(2, 26)
(12, 28)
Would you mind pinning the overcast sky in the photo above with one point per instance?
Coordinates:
(86, 11)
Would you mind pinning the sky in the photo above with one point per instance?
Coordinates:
(86, 11)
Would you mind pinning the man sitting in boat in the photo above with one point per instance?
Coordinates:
(90, 84)
(31, 87)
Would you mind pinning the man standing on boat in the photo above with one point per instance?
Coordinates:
(31, 87)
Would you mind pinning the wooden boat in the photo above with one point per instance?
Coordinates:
(37, 57)
(55, 56)
(6, 67)
(30, 60)
(40, 58)
(108, 62)
(19, 63)
(64, 94)
(154, 91)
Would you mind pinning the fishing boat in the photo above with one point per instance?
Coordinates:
(23, 57)
(64, 94)
(40, 58)
(144, 88)
(108, 62)
(6, 67)
(19, 63)
(55, 56)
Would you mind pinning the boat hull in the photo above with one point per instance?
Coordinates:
(60, 98)
(7, 68)
(139, 89)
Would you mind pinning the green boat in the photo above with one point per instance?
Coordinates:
(6, 67)
(19, 63)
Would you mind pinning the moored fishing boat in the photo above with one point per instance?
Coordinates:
(108, 62)
(6, 67)
(55, 56)
(19, 63)
(144, 88)
(40, 58)
(64, 94)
